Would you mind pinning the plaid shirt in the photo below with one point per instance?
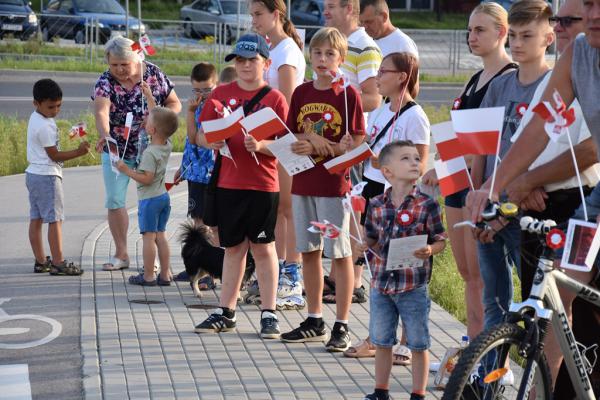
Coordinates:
(381, 224)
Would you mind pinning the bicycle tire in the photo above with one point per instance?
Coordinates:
(464, 383)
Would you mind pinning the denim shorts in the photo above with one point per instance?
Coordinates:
(412, 307)
(46, 199)
(153, 213)
(115, 186)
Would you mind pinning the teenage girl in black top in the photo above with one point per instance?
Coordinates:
(488, 27)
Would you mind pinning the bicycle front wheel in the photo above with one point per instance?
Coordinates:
(490, 368)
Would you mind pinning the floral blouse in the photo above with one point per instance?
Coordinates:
(123, 101)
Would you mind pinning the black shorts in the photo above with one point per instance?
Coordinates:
(372, 189)
(246, 214)
(456, 200)
(196, 199)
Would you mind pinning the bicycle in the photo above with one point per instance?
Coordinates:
(516, 345)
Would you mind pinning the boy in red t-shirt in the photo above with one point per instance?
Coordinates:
(247, 192)
(319, 115)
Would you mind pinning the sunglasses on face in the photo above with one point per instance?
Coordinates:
(566, 22)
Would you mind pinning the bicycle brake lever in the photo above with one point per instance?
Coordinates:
(470, 225)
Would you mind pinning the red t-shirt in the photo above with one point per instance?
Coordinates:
(245, 174)
(323, 112)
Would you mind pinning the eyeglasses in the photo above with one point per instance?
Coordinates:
(203, 92)
(383, 71)
(566, 21)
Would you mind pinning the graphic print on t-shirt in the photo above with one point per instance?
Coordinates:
(317, 118)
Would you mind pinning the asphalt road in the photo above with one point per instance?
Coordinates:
(16, 86)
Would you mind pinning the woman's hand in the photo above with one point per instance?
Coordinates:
(147, 91)
(100, 144)
(121, 166)
(302, 148)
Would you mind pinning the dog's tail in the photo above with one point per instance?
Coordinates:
(192, 233)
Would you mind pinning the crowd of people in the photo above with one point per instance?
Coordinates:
(238, 187)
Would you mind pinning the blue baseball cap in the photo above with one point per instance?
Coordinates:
(249, 45)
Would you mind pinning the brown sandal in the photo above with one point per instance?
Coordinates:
(363, 349)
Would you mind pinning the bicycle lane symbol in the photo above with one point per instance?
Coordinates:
(56, 329)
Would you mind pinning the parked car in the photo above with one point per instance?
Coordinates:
(69, 19)
(17, 17)
(308, 13)
(212, 12)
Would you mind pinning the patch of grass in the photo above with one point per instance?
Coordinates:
(428, 20)
(458, 78)
(13, 142)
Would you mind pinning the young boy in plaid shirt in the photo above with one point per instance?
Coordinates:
(401, 292)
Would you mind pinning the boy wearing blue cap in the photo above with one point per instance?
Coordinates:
(247, 190)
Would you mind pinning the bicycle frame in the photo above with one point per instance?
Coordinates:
(545, 301)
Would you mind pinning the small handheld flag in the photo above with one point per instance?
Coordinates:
(340, 163)
(78, 130)
(557, 117)
(478, 129)
(223, 128)
(263, 124)
(453, 175)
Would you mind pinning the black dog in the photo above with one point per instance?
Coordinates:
(202, 258)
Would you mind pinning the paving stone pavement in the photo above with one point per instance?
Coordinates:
(140, 351)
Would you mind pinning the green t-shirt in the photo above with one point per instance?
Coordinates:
(154, 159)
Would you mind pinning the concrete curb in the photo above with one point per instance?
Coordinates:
(92, 379)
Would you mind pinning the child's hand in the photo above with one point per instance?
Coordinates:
(346, 143)
(361, 247)
(302, 148)
(375, 162)
(430, 178)
(217, 145)
(121, 166)
(100, 144)
(251, 144)
(423, 253)
(84, 147)
(193, 103)
(321, 145)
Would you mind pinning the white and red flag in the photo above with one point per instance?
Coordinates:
(78, 130)
(326, 229)
(478, 130)
(557, 117)
(223, 128)
(446, 141)
(263, 124)
(143, 47)
(453, 175)
(347, 160)
(128, 124)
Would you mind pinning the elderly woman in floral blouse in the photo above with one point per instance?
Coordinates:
(117, 92)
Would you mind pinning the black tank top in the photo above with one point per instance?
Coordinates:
(472, 98)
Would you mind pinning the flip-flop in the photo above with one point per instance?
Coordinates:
(363, 349)
(402, 355)
(115, 264)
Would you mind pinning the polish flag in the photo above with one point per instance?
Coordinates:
(478, 129)
(557, 117)
(326, 229)
(223, 128)
(128, 124)
(78, 130)
(169, 185)
(453, 175)
(340, 163)
(263, 124)
(446, 141)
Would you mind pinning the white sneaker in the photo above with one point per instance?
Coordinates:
(288, 288)
(434, 366)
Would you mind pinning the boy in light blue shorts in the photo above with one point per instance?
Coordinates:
(43, 178)
(401, 291)
(154, 205)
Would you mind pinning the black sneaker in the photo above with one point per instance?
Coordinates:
(306, 332)
(373, 396)
(43, 267)
(216, 322)
(269, 326)
(340, 339)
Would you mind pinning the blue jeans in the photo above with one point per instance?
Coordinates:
(495, 262)
(412, 307)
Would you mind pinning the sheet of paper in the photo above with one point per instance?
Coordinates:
(400, 252)
(291, 162)
(580, 235)
(113, 153)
